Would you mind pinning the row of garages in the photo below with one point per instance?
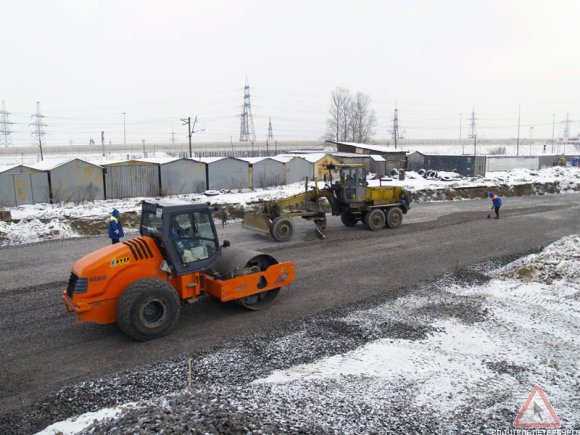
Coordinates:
(78, 180)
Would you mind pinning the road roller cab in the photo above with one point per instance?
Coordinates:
(142, 283)
(184, 233)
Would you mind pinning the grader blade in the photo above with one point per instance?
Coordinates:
(257, 222)
(321, 227)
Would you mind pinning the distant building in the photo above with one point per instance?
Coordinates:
(394, 158)
(469, 166)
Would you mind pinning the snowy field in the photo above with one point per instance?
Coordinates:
(460, 355)
(53, 221)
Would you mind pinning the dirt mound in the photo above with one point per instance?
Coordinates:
(99, 226)
(505, 190)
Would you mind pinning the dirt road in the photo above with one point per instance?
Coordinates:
(42, 348)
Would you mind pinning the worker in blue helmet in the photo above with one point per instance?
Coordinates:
(496, 203)
(115, 227)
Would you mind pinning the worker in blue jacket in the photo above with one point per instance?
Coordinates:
(115, 227)
(496, 200)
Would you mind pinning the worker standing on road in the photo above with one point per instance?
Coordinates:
(496, 200)
(115, 227)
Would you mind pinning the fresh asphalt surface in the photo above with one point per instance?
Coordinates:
(42, 348)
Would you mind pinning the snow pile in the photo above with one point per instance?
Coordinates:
(450, 357)
(558, 261)
(76, 424)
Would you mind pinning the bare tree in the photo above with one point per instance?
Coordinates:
(362, 118)
(350, 118)
(338, 120)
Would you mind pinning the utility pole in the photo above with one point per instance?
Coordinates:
(566, 132)
(172, 136)
(103, 142)
(270, 135)
(473, 134)
(519, 117)
(531, 129)
(247, 132)
(5, 124)
(39, 125)
(124, 129)
(460, 139)
(553, 127)
(190, 130)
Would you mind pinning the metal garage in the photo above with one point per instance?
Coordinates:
(131, 179)
(179, 176)
(75, 181)
(227, 173)
(295, 168)
(265, 171)
(23, 185)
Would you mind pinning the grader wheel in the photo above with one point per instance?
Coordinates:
(348, 219)
(394, 217)
(282, 229)
(375, 219)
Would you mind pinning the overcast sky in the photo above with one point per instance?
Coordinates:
(89, 61)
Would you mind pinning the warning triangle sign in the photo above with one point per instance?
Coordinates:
(537, 412)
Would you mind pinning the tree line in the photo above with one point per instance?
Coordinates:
(351, 117)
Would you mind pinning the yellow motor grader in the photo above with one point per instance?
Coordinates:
(349, 197)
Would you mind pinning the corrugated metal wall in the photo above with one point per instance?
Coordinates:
(131, 179)
(228, 173)
(505, 163)
(77, 181)
(183, 176)
(266, 172)
(479, 166)
(395, 160)
(7, 193)
(296, 170)
(23, 185)
(465, 165)
(548, 161)
(378, 166)
(415, 161)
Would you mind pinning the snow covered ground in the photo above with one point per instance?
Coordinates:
(53, 221)
(459, 355)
